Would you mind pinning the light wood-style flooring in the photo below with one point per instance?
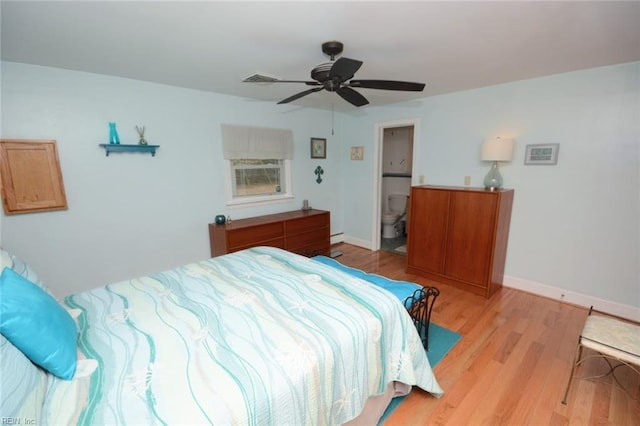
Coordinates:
(512, 364)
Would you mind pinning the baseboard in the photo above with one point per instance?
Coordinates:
(358, 242)
(337, 238)
(613, 308)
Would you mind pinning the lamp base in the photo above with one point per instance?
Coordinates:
(493, 180)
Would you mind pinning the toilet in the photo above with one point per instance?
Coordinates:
(391, 218)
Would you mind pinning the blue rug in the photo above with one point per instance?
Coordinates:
(441, 341)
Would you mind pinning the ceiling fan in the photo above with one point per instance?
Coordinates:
(335, 76)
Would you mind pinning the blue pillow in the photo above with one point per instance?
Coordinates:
(37, 325)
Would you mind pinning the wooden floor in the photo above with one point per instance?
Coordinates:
(512, 364)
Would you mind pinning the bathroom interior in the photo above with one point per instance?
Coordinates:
(397, 164)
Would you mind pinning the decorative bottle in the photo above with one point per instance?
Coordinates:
(113, 134)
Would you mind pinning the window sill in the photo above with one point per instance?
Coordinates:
(259, 201)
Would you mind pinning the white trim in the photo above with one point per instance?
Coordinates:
(556, 293)
(337, 238)
(358, 242)
(378, 136)
(613, 308)
(258, 200)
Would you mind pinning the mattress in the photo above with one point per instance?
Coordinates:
(257, 337)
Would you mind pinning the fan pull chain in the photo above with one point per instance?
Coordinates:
(332, 119)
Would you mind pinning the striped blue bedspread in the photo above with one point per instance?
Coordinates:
(258, 337)
(401, 289)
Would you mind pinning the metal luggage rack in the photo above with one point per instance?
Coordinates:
(419, 305)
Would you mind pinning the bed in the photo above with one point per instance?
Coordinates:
(257, 337)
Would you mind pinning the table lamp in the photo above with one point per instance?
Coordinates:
(496, 150)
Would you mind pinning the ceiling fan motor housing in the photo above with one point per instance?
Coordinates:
(321, 72)
(332, 48)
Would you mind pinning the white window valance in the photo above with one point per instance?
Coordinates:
(262, 143)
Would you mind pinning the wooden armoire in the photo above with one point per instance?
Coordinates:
(459, 235)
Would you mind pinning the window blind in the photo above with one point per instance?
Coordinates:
(262, 143)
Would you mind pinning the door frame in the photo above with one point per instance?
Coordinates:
(377, 170)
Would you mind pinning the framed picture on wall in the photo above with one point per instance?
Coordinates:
(544, 154)
(318, 148)
(357, 152)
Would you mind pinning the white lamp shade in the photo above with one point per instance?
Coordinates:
(497, 150)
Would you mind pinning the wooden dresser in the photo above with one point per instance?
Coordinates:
(306, 232)
(459, 236)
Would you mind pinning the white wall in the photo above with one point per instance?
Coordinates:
(575, 226)
(133, 214)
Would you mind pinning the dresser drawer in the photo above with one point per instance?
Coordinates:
(279, 242)
(314, 236)
(254, 235)
(303, 224)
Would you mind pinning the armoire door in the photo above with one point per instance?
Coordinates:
(428, 229)
(471, 235)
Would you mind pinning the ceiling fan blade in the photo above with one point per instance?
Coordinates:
(406, 86)
(308, 83)
(351, 96)
(259, 78)
(299, 95)
(344, 68)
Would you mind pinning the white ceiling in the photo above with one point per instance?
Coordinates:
(212, 46)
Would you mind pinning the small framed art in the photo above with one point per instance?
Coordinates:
(318, 148)
(543, 154)
(357, 152)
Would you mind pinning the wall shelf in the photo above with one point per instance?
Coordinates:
(114, 147)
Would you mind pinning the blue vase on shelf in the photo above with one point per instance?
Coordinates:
(113, 134)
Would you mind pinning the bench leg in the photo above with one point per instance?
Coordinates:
(576, 362)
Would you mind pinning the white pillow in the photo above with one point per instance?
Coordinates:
(24, 385)
(11, 261)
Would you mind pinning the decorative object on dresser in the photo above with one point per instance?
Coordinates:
(496, 150)
(305, 232)
(459, 236)
(31, 176)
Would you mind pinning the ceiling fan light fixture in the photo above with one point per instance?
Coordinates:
(321, 72)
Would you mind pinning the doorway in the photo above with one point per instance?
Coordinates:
(393, 177)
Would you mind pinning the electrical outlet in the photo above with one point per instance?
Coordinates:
(421, 179)
(467, 180)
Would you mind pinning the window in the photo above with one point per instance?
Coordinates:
(257, 177)
(258, 163)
